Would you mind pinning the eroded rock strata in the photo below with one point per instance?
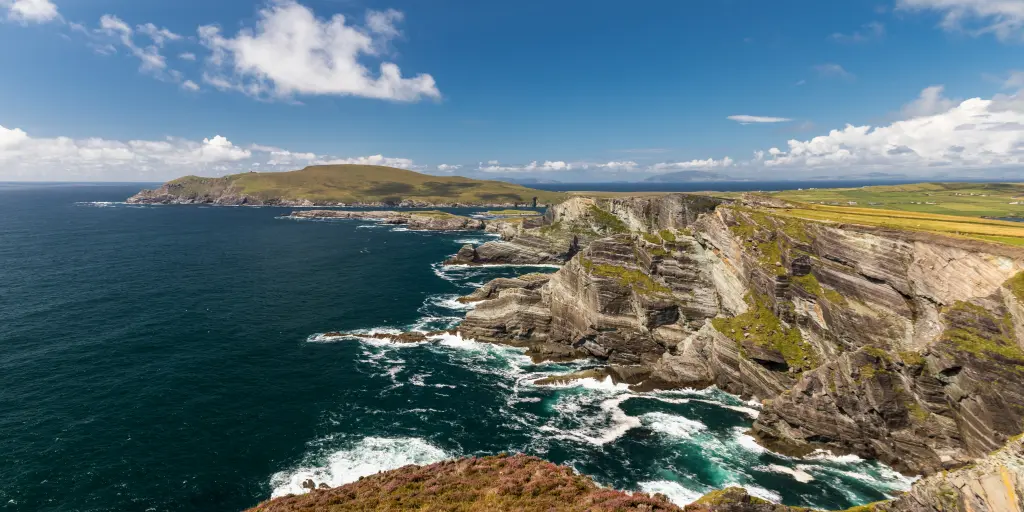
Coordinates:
(903, 346)
(896, 345)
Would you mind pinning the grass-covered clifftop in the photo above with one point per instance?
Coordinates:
(348, 184)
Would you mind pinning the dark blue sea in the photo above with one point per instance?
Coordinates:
(170, 358)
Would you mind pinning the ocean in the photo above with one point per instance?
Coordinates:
(170, 358)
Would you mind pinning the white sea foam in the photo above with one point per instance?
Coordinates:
(676, 401)
(797, 473)
(505, 265)
(101, 204)
(620, 421)
(746, 441)
(749, 411)
(606, 384)
(399, 229)
(827, 455)
(367, 457)
(448, 301)
(672, 424)
(675, 491)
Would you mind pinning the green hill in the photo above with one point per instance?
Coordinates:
(349, 184)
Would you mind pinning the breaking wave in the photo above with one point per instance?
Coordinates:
(365, 457)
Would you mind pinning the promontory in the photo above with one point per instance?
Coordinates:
(344, 185)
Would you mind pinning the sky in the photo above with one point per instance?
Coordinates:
(562, 90)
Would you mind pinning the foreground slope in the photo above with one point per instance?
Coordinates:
(521, 483)
(323, 185)
(516, 483)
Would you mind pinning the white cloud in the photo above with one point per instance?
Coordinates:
(831, 70)
(627, 165)
(930, 102)
(706, 164)
(157, 34)
(448, 168)
(402, 163)
(61, 158)
(869, 32)
(973, 134)
(189, 85)
(1004, 18)
(30, 11)
(745, 119)
(292, 52)
(149, 56)
(534, 166)
(187, 56)
(27, 158)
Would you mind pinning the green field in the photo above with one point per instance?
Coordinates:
(960, 199)
(363, 184)
(1006, 232)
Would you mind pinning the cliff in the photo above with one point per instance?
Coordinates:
(343, 185)
(904, 346)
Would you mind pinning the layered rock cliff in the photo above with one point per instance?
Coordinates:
(897, 345)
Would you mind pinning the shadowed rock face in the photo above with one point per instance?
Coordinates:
(901, 346)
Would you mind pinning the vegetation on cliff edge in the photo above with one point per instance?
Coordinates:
(518, 483)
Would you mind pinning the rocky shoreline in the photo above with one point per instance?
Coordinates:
(905, 347)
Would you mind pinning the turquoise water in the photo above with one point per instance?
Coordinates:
(168, 358)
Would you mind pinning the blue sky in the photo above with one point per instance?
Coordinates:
(563, 90)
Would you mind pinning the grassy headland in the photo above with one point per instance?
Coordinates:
(956, 199)
(365, 184)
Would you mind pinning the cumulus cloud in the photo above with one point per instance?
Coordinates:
(831, 70)
(402, 163)
(61, 158)
(1004, 18)
(189, 85)
(27, 158)
(292, 52)
(745, 119)
(869, 32)
(534, 166)
(448, 168)
(627, 165)
(187, 56)
(707, 164)
(930, 102)
(30, 11)
(973, 134)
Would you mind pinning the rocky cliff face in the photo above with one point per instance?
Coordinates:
(575, 223)
(895, 345)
